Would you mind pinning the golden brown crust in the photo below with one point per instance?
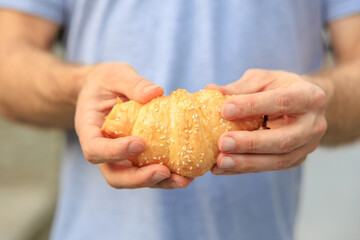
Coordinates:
(181, 130)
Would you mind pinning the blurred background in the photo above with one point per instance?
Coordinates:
(29, 161)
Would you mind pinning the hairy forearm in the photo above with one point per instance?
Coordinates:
(36, 87)
(342, 87)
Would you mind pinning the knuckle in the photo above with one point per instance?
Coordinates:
(281, 163)
(247, 105)
(299, 162)
(112, 153)
(254, 72)
(314, 147)
(283, 102)
(89, 156)
(288, 143)
(319, 98)
(247, 165)
(250, 144)
(321, 127)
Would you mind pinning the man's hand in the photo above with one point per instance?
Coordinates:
(104, 83)
(296, 119)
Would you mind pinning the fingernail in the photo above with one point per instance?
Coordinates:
(136, 147)
(227, 162)
(149, 88)
(218, 170)
(159, 176)
(227, 144)
(229, 111)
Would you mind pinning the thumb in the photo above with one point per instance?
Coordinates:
(137, 88)
(142, 90)
(222, 89)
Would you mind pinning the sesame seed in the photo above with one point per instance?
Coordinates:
(191, 168)
(147, 161)
(183, 163)
(178, 163)
(161, 145)
(197, 165)
(163, 156)
(201, 160)
(156, 109)
(178, 170)
(154, 158)
(162, 137)
(158, 130)
(145, 158)
(140, 164)
(189, 160)
(161, 163)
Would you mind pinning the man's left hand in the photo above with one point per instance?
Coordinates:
(296, 110)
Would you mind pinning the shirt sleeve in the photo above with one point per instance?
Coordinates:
(335, 9)
(52, 10)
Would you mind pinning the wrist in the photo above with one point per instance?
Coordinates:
(73, 78)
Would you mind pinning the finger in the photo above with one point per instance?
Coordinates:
(218, 171)
(272, 102)
(135, 87)
(252, 81)
(141, 89)
(99, 149)
(223, 90)
(272, 141)
(280, 140)
(126, 176)
(173, 182)
(247, 163)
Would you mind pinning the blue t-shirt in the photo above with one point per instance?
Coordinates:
(185, 44)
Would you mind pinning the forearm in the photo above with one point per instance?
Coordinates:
(342, 87)
(36, 87)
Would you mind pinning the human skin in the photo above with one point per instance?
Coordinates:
(300, 109)
(39, 89)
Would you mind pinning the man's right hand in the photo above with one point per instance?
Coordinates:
(104, 83)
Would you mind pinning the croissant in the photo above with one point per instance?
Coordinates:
(181, 131)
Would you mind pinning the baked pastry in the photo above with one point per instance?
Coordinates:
(181, 131)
